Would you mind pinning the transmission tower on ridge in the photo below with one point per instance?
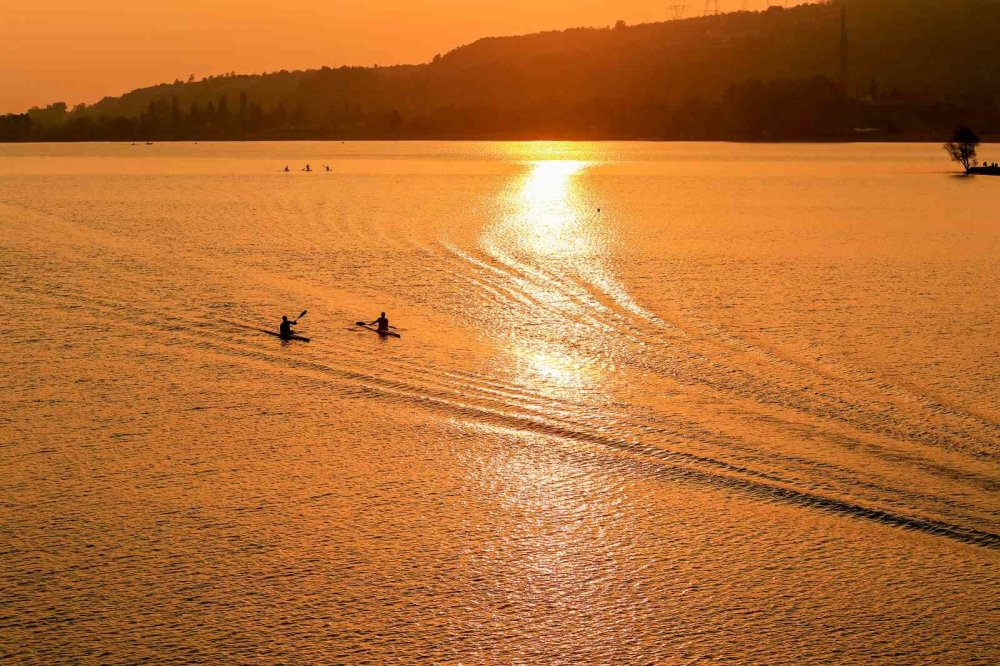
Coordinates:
(677, 11)
(711, 7)
(844, 70)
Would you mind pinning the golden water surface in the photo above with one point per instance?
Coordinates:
(652, 403)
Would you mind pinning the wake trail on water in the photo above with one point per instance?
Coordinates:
(717, 359)
(681, 399)
(537, 414)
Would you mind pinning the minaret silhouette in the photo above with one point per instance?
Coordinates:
(844, 72)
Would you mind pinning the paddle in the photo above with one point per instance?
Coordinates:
(300, 316)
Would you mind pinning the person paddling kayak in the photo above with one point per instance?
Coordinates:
(383, 327)
(285, 330)
(382, 322)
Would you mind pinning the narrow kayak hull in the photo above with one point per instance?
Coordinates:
(285, 337)
(384, 334)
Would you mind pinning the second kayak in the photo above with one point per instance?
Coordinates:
(384, 334)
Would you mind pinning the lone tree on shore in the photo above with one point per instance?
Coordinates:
(962, 147)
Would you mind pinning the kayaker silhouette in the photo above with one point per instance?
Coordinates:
(383, 324)
(285, 330)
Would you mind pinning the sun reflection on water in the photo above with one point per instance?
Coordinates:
(545, 210)
(547, 238)
(547, 255)
(556, 374)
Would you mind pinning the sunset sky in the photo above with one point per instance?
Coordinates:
(62, 50)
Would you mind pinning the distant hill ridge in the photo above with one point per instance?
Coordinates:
(914, 68)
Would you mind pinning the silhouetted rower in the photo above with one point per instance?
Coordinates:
(383, 324)
(285, 330)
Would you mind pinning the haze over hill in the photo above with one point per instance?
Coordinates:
(910, 69)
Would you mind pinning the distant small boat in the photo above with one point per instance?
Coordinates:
(984, 171)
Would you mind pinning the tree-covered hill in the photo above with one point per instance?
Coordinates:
(915, 68)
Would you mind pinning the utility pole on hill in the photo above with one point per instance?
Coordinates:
(677, 11)
(711, 7)
(844, 71)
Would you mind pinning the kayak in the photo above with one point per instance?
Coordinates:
(384, 334)
(285, 337)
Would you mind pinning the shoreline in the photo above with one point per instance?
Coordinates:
(989, 139)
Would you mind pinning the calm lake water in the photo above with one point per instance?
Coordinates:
(652, 403)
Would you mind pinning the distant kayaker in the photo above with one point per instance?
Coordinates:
(383, 324)
(285, 329)
(308, 168)
(287, 169)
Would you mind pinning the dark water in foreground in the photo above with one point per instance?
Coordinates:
(664, 403)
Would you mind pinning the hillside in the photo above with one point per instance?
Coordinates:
(914, 69)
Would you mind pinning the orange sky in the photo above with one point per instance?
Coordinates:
(73, 51)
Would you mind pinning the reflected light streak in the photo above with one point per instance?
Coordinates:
(544, 243)
(545, 213)
(547, 241)
(555, 374)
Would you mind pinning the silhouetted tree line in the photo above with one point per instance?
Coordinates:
(917, 69)
(779, 110)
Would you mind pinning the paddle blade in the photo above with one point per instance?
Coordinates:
(360, 323)
(301, 315)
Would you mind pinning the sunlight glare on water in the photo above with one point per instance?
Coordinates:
(546, 237)
(546, 218)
